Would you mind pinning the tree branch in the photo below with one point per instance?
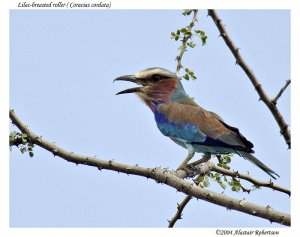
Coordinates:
(160, 175)
(205, 168)
(274, 101)
(184, 41)
(236, 174)
(178, 214)
(258, 87)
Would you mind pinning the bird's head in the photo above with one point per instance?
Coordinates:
(157, 85)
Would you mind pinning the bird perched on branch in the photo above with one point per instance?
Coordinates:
(186, 123)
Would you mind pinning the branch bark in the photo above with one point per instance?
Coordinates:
(274, 101)
(160, 175)
(180, 207)
(258, 87)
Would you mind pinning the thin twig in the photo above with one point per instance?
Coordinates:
(258, 183)
(160, 175)
(180, 207)
(178, 214)
(210, 166)
(186, 37)
(274, 101)
(246, 190)
(258, 87)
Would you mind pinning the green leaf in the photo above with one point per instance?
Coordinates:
(187, 12)
(188, 34)
(183, 30)
(204, 38)
(186, 77)
(24, 135)
(222, 185)
(13, 134)
(201, 34)
(191, 44)
(31, 154)
(23, 149)
(206, 183)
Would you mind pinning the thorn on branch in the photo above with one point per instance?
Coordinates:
(166, 180)
(254, 212)
(110, 162)
(86, 161)
(271, 183)
(209, 196)
(274, 110)
(241, 202)
(55, 152)
(79, 159)
(257, 86)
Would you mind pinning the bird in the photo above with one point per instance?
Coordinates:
(186, 123)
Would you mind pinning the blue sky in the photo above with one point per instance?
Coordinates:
(62, 64)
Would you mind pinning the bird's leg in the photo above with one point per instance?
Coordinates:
(206, 157)
(191, 153)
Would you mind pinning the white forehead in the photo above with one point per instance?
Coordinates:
(154, 70)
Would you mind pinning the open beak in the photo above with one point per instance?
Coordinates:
(130, 78)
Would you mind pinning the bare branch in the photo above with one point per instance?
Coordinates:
(178, 214)
(160, 175)
(274, 101)
(258, 87)
(184, 41)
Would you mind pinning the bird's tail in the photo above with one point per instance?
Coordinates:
(258, 163)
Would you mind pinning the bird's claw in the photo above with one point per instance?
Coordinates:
(189, 168)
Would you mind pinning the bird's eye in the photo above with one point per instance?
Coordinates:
(156, 78)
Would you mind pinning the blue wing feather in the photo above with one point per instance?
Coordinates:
(183, 131)
(188, 133)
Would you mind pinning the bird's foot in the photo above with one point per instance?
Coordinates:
(205, 158)
(189, 168)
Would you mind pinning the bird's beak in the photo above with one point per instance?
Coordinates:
(130, 78)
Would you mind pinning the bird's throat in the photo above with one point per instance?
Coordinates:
(158, 93)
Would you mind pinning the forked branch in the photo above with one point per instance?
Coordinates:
(284, 130)
(160, 175)
(274, 100)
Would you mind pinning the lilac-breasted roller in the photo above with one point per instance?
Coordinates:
(186, 123)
